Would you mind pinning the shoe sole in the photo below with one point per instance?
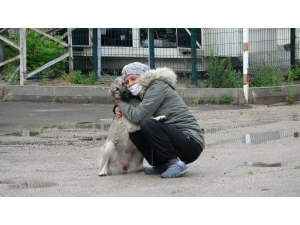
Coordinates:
(182, 173)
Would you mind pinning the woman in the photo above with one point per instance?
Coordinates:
(168, 146)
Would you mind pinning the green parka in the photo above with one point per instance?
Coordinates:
(159, 97)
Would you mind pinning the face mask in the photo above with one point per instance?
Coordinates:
(135, 89)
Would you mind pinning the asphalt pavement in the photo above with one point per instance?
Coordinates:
(60, 157)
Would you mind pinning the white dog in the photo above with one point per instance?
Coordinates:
(118, 154)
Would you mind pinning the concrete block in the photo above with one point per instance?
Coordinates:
(82, 94)
(28, 93)
(210, 93)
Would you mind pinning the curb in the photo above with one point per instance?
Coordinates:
(99, 94)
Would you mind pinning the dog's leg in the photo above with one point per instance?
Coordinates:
(105, 157)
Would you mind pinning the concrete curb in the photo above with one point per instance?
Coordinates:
(99, 94)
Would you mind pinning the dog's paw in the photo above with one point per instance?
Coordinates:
(161, 118)
(102, 175)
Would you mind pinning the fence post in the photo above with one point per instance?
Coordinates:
(99, 46)
(70, 50)
(23, 64)
(293, 45)
(95, 50)
(245, 63)
(151, 48)
(194, 56)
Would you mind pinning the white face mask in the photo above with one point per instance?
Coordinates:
(135, 89)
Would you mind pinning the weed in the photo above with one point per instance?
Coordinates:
(33, 133)
(44, 79)
(197, 100)
(187, 80)
(16, 134)
(55, 99)
(200, 84)
(250, 172)
(221, 73)
(267, 75)
(211, 99)
(297, 167)
(89, 100)
(76, 77)
(241, 113)
(224, 98)
(290, 93)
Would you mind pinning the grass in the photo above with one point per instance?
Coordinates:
(224, 98)
(197, 100)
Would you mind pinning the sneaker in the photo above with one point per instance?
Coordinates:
(156, 169)
(175, 169)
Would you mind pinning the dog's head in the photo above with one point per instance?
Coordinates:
(119, 90)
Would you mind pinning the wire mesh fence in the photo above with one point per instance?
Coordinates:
(172, 48)
(106, 50)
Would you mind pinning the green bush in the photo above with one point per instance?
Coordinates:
(221, 73)
(40, 50)
(76, 77)
(267, 75)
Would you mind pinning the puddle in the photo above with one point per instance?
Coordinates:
(28, 184)
(262, 164)
(103, 124)
(255, 138)
(227, 127)
(87, 138)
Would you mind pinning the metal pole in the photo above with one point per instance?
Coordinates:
(23, 64)
(99, 55)
(95, 56)
(293, 50)
(194, 56)
(151, 48)
(71, 67)
(245, 63)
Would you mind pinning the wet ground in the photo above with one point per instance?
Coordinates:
(52, 149)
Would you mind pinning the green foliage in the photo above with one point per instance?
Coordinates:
(267, 76)
(200, 84)
(187, 80)
(221, 73)
(224, 98)
(211, 99)
(76, 77)
(197, 100)
(55, 99)
(250, 172)
(294, 73)
(290, 93)
(39, 49)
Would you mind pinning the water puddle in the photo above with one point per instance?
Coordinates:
(255, 138)
(242, 125)
(102, 124)
(28, 184)
(88, 138)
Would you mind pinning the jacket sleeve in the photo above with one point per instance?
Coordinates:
(152, 99)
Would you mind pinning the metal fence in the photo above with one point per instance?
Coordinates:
(116, 47)
(107, 50)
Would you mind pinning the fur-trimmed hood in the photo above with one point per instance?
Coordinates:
(163, 74)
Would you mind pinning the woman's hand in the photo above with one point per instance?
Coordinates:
(118, 112)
